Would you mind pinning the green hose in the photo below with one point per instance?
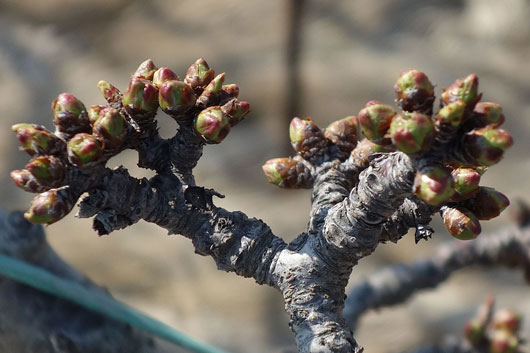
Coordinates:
(98, 302)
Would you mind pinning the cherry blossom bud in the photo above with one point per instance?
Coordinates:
(486, 146)
(288, 173)
(141, 99)
(466, 183)
(375, 120)
(163, 75)
(176, 98)
(487, 203)
(507, 320)
(231, 90)
(236, 111)
(26, 181)
(109, 92)
(51, 206)
(212, 93)
(110, 128)
(36, 139)
(414, 92)
(212, 124)
(70, 115)
(344, 134)
(412, 133)
(465, 89)
(503, 341)
(145, 70)
(434, 185)
(84, 150)
(47, 170)
(487, 113)
(461, 223)
(93, 112)
(450, 116)
(306, 137)
(199, 75)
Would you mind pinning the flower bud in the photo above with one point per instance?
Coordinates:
(176, 98)
(36, 139)
(163, 75)
(487, 203)
(231, 90)
(212, 124)
(414, 92)
(145, 70)
(212, 93)
(70, 115)
(461, 223)
(486, 146)
(93, 112)
(412, 133)
(288, 173)
(475, 331)
(450, 116)
(110, 128)
(487, 113)
(47, 170)
(433, 185)
(109, 92)
(51, 206)
(466, 183)
(141, 99)
(26, 181)
(84, 150)
(236, 111)
(465, 89)
(344, 134)
(375, 120)
(199, 75)
(306, 137)
(507, 320)
(503, 341)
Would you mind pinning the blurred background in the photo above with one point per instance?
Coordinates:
(290, 58)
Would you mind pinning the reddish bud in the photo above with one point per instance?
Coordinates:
(487, 113)
(145, 70)
(163, 75)
(26, 181)
(507, 320)
(434, 185)
(176, 98)
(414, 92)
(212, 124)
(306, 137)
(412, 133)
(199, 75)
(36, 139)
(375, 120)
(487, 203)
(466, 183)
(110, 128)
(47, 170)
(84, 150)
(288, 173)
(236, 111)
(51, 206)
(141, 98)
(465, 89)
(486, 146)
(212, 93)
(70, 115)
(461, 223)
(109, 92)
(344, 134)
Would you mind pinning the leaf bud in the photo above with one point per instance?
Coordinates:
(163, 75)
(84, 150)
(486, 146)
(344, 133)
(507, 320)
(414, 92)
(70, 115)
(487, 113)
(487, 203)
(375, 119)
(412, 133)
(36, 139)
(51, 206)
(461, 223)
(212, 124)
(176, 98)
(306, 137)
(141, 99)
(236, 111)
(466, 183)
(212, 93)
(465, 89)
(503, 341)
(47, 170)
(110, 128)
(26, 181)
(434, 185)
(145, 70)
(199, 75)
(109, 92)
(288, 173)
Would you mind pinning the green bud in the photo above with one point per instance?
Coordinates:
(26, 181)
(461, 223)
(176, 98)
(414, 92)
(51, 206)
(344, 134)
(375, 120)
(465, 89)
(70, 115)
(110, 128)
(93, 112)
(412, 133)
(503, 341)
(288, 173)
(487, 203)
(466, 183)
(84, 150)
(47, 170)
(141, 99)
(199, 75)
(306, 137)
(450, 116)
(507, 320)
(163, 75)
(212, 93)
(145, 70)
(109, 92)
(212, 124)
(486, 146)
(236, 111)
(36, 139)
(434, 185)
(487, 113)
(475, 331)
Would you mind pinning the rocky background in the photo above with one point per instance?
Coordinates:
(352, 52)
